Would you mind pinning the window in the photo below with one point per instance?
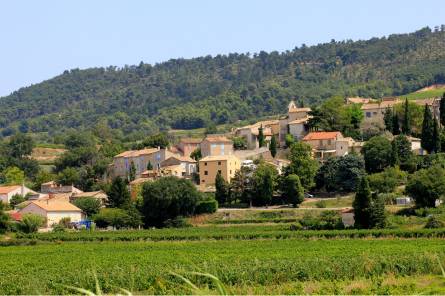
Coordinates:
(368, 114)
(230, 171)
(374, 113)
(203, 181)
(206, 173)
(205, 163)
(219, 171)
(219, 162)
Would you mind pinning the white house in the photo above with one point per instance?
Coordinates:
(7, 192)
(53, 211)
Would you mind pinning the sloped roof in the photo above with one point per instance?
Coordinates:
(217, 139)
(56, 206)
(301, 120)
(135, 153)
(7, 189)
(321, 136)
(191, 140)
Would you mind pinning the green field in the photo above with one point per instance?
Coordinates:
(432, 93)
(243, 266)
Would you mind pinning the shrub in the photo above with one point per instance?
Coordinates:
(427, 185)
(320, 204)
(88, 205)
(177, 222)
(433, 222)
(112, 217)
(388, 180)
(206, 207)
(4, 218)
(16, 199)
(31, 223)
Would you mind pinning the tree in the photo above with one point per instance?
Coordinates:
(20, 145)
(406, 123)
(388, 119)
(427, 185)
(132, 172)
(261, 138)
(4, 219)
(264, 183)
(14, 176)
(442, 110)
(289, 140)
(16, 199)
(118, 194)
(377, 212)
(116, 218)
(291, 190)
(395, 161)
(435, 141)
(149, 166)
(302, 164)
(196, 154)
(68, 176)
(388, 180)
(221, 186)
(239, 143)
(377, 154)
(30, 223)
(395, 124)
(362, 205)
(273, 146)
(242, 186)
(154, 141)
(89, 205)
(427, 130)
(405, 156)
(168, 198)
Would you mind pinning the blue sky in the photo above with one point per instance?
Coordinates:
(40, 39)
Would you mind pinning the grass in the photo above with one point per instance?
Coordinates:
(433, 93)
(339, 202)
(242, 266)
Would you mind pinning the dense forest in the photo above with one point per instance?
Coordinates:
(190, 93)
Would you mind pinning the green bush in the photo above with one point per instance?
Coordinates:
(177, 222)
(433, 222)
(206, 207)
(388, 180)
(31, 223)
(320, 204)
(112, 217)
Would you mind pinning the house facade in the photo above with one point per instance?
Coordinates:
(140, 158)
(209, 166)
(53, 211)
(295, 123)
(188, 166)
(187, 145)
(7, 192)
(216, 145)
(251, 132)
(328, 144)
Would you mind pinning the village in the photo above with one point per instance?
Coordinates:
(203, 160)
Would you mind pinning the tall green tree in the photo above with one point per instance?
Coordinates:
(395, 161)
(377, 154)
(435, 147)
(291, 190)
(132, 172)
(264, 179)
(377, 212)
(302, 164)
(427, 185)
(388, 119)
(118, 193)
(261, 138)
(442, 110)
(221, 187)
(149, 166)
(427, 130)
(4, 219)
(362, 205)
(273, 146)
(395, 124)
(406, 123)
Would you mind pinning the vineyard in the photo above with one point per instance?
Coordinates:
(242, 266)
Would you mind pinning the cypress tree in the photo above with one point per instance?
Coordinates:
(273, 146)
(395, 124)
(118, 193)
(261, 139)
(132, 172)
(435, 141)
(362, 204)
(377, 213)
(149, 166)
(427, 130)
(442, 110)
(221, 189)
(406, 124)
(388, 119)
(394, 154)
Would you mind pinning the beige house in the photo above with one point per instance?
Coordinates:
(188, 145)
(328, 144)
(216, 145)
(140, 158)
(209, 166)
(52, 187)
(250, 132)
(295, 123)
(7, 192)
(53, 211)
(188, 166)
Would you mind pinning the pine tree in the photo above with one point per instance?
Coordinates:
(395, 124)
(388, 119)
(261, 139)
(394, 154)
(442, 110)
(427, 130)
(273, 146)
(118, 194)
(221, 189)
(362, 204)
(132, 172)
(406, 124)
(435, 141)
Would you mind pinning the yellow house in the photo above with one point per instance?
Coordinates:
(210, 165)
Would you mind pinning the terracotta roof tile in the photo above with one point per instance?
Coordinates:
(56, 206)
(7, 189)
(321, 136)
